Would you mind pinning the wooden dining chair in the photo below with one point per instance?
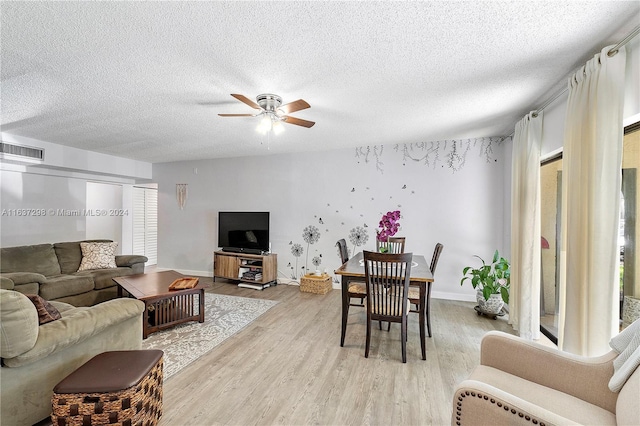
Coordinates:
(387, 282)
(395, 245)
(357, 289)
(414, 293)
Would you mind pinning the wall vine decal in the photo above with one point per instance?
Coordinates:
(453, 153)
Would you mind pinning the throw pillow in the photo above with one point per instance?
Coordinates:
(46, 311)
(98, 256)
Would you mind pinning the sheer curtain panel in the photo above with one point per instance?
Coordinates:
(524, 299)
(589, 263)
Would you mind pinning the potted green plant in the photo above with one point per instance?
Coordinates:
(492, 281)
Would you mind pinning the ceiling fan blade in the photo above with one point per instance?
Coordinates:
(298, 105)
(298, 121)
(236, 115)
(246, 100)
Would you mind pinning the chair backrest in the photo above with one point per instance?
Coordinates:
(395, 245)
(342, 250)
(435, 258)
(387, 280)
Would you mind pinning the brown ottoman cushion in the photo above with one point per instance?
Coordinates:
(123, 387)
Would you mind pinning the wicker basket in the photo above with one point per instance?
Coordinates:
(315, 284)
(140, 404)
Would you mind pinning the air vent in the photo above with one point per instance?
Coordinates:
(19, 153)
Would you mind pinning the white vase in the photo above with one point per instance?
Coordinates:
(492, 306)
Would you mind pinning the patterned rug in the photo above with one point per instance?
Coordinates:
(223, 317)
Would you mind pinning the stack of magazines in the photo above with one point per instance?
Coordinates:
(252, 275)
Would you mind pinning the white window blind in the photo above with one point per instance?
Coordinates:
(145, 223)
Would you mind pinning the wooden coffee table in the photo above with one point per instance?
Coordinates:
(163, 308)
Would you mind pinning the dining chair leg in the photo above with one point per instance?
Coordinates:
(421, 315)
(404, 338)
(368, 340)
(389, 326)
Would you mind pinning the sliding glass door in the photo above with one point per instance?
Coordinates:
(628, 237)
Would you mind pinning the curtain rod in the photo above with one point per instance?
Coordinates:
(611, 52)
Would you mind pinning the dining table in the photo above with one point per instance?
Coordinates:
(421, 277)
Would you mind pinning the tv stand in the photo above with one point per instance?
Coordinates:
(257, 271)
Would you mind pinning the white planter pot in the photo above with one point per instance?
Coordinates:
(492, 306)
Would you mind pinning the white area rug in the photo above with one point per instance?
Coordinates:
(223, 317)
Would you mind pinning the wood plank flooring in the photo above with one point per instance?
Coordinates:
(287, 368)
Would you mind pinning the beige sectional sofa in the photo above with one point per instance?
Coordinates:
(36, 357)
(51, 271)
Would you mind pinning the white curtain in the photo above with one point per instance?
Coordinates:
(592, 160)
(524, 298)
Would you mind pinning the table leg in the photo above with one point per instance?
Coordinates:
(201, 305)
(421, 315)
(119, 291)
(145, 321)
(345, 308)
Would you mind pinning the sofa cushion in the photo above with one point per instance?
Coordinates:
(46, 311)
(98, 256)
(103, 278)
(550, 399)
(40, 258)
(70, 255)
(18, 324)
(65, 285)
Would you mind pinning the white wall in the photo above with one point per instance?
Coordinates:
(463, 209)
(39, 194)
(54, 196)
(79, 160)
(104, 204)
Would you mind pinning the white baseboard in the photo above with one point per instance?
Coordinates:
(453, 296)
(195, 273)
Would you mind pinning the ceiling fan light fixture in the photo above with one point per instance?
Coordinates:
(277, 127)
(265, 124)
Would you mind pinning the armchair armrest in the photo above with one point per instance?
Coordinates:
(475, 403)
(24, 278)
(582, 377)
(130, 259)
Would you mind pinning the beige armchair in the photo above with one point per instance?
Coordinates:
(523, 382)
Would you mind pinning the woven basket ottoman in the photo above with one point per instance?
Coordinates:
(120, 387)
(317, 284)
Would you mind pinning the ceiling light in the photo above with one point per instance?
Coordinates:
(277, 127)
(265, 124)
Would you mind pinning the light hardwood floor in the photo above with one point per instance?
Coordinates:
(287, 368)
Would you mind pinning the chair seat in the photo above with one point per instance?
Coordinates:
(385, 309)
(414, 294)
(358, 288)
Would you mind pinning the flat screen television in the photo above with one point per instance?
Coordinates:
(243, 232)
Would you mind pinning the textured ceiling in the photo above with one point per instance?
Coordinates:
(146, 80)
